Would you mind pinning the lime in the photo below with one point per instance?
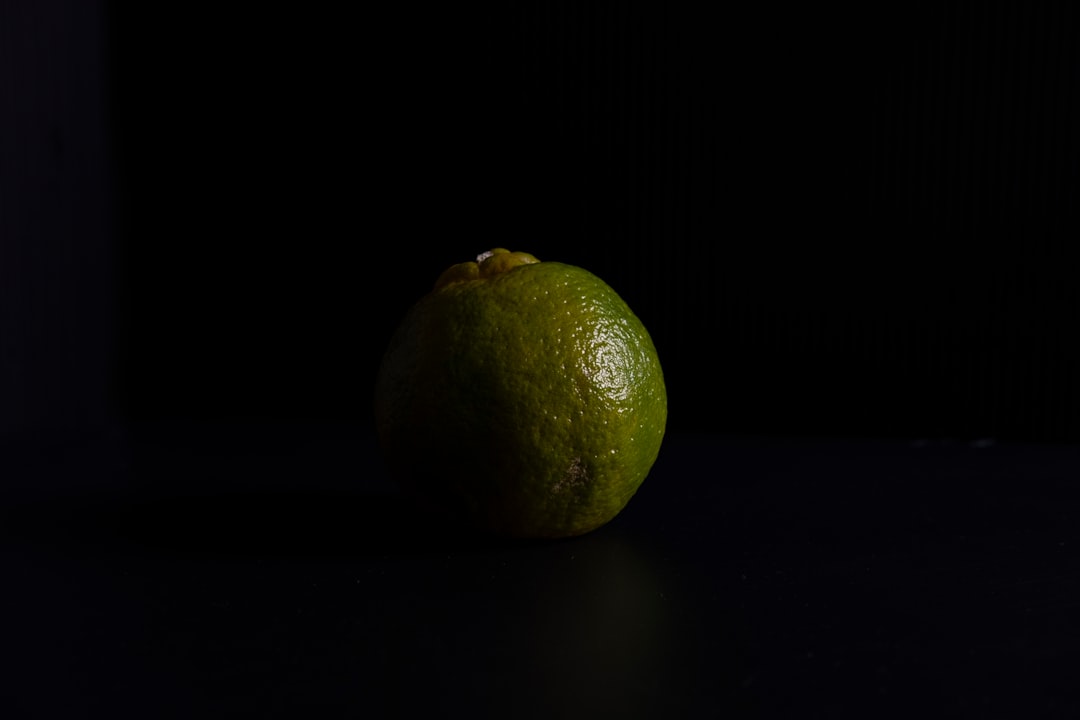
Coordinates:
(523, 397)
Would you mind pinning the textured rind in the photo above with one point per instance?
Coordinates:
(531, 401)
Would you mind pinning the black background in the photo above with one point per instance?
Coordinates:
(831, 224)
(847, 231)
(830, 227)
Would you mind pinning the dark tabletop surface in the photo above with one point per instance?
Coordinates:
(273, 571)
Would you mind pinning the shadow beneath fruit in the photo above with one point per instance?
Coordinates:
(282, 523)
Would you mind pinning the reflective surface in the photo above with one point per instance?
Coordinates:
(274, 571)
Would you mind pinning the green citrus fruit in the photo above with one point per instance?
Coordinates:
(522, 396)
